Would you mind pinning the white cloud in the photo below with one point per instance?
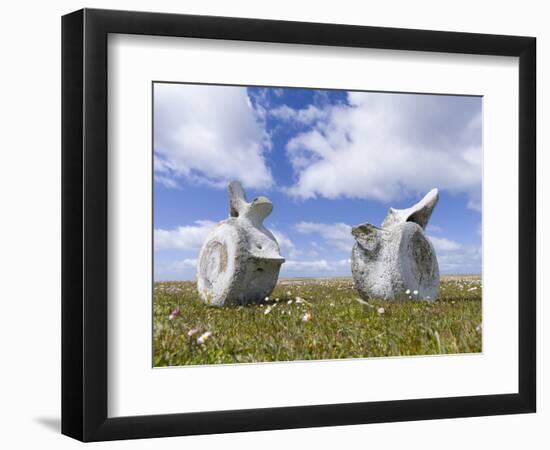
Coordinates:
(166, 181)
(286, 246)
(386, 147)
(465, 260)
(303, 116)
(434, 228)
(187, 263)
(315, 249)
(188, 237)
(209, 134)
(475, 203)
(316, 267)
(180, 269)
(442, 244)
(456, 258)
(337, 235)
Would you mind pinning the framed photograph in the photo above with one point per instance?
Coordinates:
(272, 224)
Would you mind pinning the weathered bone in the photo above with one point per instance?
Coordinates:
(239, 261)
(419, 213)
(397, 260)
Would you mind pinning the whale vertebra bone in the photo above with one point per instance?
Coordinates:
(397, 261)
(239, 261)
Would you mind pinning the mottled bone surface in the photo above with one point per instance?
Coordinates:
(239, 261)
(396, 260)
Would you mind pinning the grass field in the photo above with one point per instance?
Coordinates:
(307, 319)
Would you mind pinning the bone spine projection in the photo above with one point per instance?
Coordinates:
(397, 261)
(239, 261)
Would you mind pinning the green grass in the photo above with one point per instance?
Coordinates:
(339, 326)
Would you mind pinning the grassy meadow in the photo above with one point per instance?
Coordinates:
(312, 319)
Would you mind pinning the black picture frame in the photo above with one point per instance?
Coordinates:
(84, 224)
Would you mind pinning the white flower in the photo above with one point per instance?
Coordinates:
(408, 291)
(192, 331)
(415, 292)
(268, 310)
(289, 302)
(478, 328)
(204, 337)
(381, 310)
(306, 317)
(288, 293)
(299, 300)
(266, 299)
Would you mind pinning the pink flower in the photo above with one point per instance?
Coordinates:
(174, 313)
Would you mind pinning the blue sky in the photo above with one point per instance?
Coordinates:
(327, 159)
